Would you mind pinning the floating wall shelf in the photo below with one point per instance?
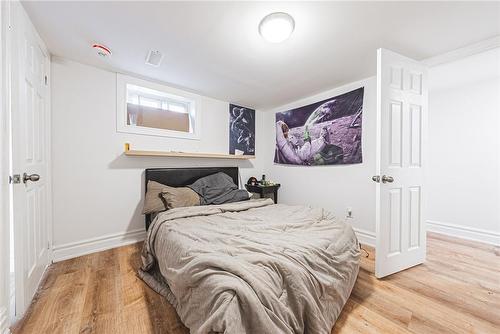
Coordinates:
(137, 153)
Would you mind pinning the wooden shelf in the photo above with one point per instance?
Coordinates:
(137, 153)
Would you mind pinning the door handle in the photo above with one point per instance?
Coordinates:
(376, 178)
(387, 179)
(32, 177)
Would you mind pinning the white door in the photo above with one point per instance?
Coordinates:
(30, 155)
(402, 137)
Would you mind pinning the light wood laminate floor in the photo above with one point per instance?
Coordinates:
(456, 291)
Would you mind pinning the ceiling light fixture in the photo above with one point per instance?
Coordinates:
(276, 27)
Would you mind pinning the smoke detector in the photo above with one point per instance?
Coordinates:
(154, 58)
(102, 50)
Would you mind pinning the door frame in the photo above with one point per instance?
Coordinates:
(4, 168)
(19, 19)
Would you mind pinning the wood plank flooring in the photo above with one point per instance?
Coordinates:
(456, 291)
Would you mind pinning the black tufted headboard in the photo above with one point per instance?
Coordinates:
(180, 177)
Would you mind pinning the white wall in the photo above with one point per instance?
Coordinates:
(97, 191)
(334, 188)
(464, 152)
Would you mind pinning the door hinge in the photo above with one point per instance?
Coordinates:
(14, 179)
(46, 80)
(48, 244)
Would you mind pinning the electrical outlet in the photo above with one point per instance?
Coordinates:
(349, 212)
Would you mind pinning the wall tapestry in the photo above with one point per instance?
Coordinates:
(327, 132)
(241, 130)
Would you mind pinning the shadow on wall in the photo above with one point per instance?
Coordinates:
(123, 162)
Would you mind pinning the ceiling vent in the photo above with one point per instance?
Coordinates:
(154, 58)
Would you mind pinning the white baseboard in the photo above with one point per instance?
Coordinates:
(464, 232)
(365, 237)
(88, 246)
(4, 321)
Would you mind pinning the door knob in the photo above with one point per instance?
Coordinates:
(387, 179)
(376, 178)
(32, 177)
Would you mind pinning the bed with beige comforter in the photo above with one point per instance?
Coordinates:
(252, 267)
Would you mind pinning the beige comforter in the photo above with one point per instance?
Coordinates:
(252, 267)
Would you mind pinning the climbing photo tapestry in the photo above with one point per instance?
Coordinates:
(327, 132)
(241, 130)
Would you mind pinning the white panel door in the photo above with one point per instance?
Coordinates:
(30, 156)
(402, 112)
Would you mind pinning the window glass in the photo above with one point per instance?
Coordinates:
(155, 109)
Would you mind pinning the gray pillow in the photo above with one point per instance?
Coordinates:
(218, 188)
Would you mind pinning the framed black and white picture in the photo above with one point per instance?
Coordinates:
(241, 130)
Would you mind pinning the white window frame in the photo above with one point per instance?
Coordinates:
(192, 100)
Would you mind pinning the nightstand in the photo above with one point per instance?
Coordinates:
(264, 190)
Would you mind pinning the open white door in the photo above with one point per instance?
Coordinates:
(30, 155)
(402, 137)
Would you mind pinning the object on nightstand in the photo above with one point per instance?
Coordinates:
(265, 182)
(263, 190)
(252, 181)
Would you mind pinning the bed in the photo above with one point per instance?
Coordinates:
(250, 266)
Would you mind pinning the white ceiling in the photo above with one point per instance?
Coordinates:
(214, 48)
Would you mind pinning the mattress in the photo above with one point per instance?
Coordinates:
(252, 266)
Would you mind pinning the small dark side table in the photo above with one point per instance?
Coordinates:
(263, 190)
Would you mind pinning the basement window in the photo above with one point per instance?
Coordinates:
(149, 108)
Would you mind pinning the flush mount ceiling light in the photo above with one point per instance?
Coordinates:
(276, 27)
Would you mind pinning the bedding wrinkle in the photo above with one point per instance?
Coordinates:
(252, 267)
